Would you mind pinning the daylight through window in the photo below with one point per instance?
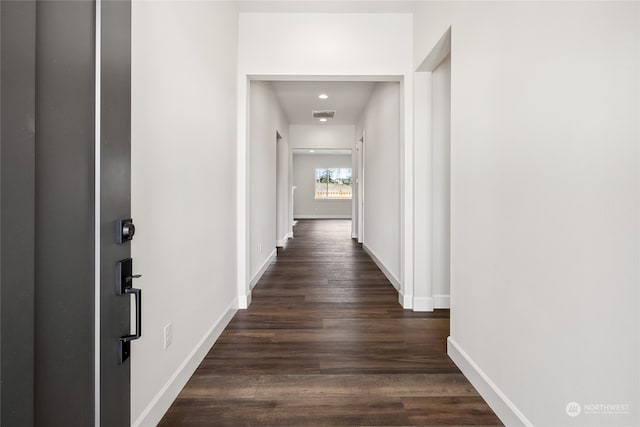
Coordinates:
(333, 183)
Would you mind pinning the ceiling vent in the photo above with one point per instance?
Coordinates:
(323, 114)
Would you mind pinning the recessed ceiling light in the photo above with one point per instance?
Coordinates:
(323, 119)
(312, 151)
(323, 96)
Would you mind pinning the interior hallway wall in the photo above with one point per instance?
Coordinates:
(382, 208)
(265, 119)
(545, 202)
(183, 189)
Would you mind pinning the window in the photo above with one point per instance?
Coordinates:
(333, 184)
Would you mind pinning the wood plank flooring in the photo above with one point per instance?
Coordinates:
(325, 343)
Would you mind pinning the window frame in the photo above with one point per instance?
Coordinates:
(327, 182)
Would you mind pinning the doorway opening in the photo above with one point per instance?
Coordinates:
(324, 183)
(282, 192)
(317, 164)
(359, 205)
(433, 201)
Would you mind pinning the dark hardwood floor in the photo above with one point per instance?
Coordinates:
(325, 343)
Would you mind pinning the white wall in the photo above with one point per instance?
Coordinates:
(382, 208)
(308, 136)
(545, 203)
(183, 190)
(331, 46)
(265, 119)
(341, 44)
(440, 160)
(304, 170)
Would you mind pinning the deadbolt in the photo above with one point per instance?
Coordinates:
(128, 230)
(125, 230)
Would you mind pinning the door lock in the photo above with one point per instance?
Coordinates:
(125, 276)
(125, 230)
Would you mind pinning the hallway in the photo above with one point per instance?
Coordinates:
(325, 342)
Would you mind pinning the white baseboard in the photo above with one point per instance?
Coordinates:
(263, 268)
(323, 216)
(441, 301)
(394, 281)
(161, 402)
(290, 235)
(354, 236)
(423, 304)
(504, 408)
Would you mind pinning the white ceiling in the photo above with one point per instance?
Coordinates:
(299, 98)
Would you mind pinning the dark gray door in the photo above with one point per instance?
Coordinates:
(64, 213)
(60, 344)
(17, 169)
(115, 204)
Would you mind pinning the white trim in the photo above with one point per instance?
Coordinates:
(423, 304)
(422, 241)
(504, 408)
(326, 77)
(423, 203)
(360, 148)
(272, 257)
(354, 235)
(394, 281)
(161, 402)
(243, 154)
(323, 216)
(405, 300)
(290, 235)
(97, 225)
(354, 186)
(406, 207)
(442, 301)
(280, 243)
(244, 301)
(242, 202)
(440, 51)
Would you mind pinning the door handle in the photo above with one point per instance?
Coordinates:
(124, 280)
(138, 295)
(124, 350)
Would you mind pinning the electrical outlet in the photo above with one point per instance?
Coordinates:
(168, 335)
